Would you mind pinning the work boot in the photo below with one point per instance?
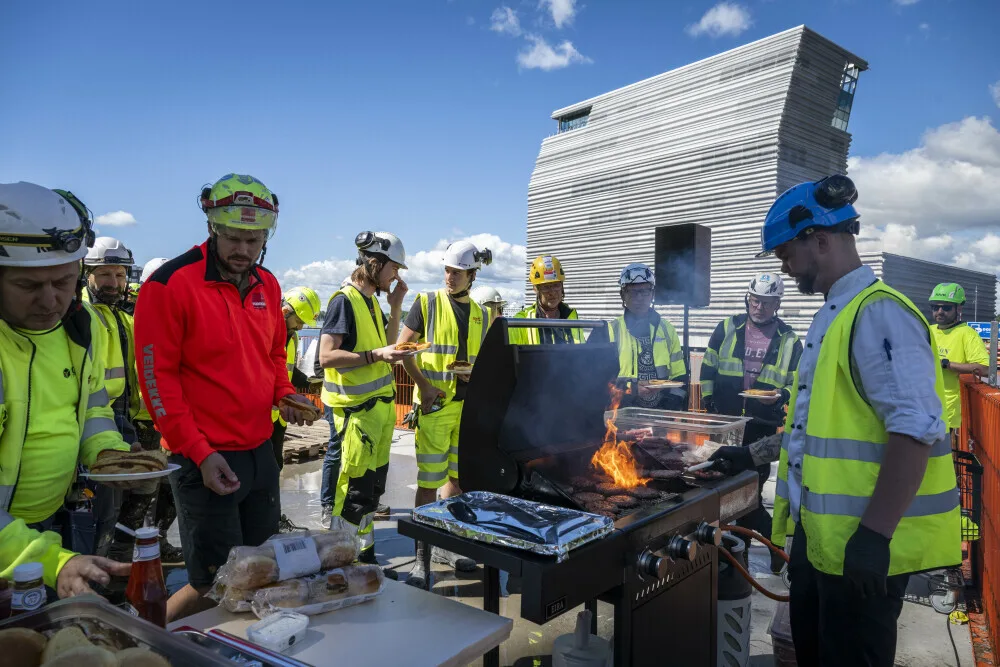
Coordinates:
(169, 554)
(285, 525)
(460, 563)
(326, 516)
(367, 557)
(419, 577)
(382, 512)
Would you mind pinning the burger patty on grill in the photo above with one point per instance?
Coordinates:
(610, 489)
(582, 483)
(624, 502)
(644, 493)
(585, 497)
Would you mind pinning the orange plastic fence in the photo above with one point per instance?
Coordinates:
(980, 434)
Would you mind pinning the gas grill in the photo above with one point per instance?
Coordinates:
(533, 418)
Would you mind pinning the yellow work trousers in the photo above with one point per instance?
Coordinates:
(437, 446)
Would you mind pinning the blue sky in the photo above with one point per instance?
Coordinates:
(421, 117)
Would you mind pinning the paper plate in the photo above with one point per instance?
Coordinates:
(130, 476)
(460, 371)
(660, 386)
(759, 396)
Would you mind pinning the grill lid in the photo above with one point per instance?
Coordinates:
(525, 402)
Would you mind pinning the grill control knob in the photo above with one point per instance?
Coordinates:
(679, 548)
(706, 533)
(652, 565)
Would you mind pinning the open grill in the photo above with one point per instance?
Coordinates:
(532, 421)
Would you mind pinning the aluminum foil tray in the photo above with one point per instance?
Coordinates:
(553, 531)
(104, 623)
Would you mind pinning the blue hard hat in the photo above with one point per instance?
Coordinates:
(825, 203)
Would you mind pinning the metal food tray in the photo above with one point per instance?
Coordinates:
(235, 650)
(90, 608)
(692, 429)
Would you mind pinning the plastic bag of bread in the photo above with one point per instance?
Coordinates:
(322, 592)
(285, 556)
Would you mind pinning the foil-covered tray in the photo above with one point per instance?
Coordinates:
(516, 523)
(114, 629)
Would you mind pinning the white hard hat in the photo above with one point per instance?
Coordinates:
(463, 255)
(108, 250)
(767, 284)
(382, 243)
(636, 274)
(151, 265)
(40, 227)
(485, 295)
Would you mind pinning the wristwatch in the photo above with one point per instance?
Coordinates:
(945, 363)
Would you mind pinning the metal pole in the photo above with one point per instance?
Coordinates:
(975, 307)
(687, 353)
(993, 353)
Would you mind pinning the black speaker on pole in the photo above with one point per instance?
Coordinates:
(683, 265)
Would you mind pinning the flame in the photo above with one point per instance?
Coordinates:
(615, 456)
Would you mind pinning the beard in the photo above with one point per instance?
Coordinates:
(228, 266)
(806, 283)
(108, 295)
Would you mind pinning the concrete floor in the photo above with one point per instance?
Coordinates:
(923, 639)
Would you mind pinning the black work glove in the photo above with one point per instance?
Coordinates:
(866, 562)
(732, 460)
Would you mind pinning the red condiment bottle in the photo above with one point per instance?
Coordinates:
(146, 590)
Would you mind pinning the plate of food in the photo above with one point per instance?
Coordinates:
(460, 368)
(312, 412)
(413, 348)
(117, 466)
(660, 385)
(760, 393)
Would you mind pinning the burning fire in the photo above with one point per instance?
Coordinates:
(615, 456)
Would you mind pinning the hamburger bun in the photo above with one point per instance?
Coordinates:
(140, 657)
(65, 640)
(84, 656)
(459, 366)
(21, 647)
(115, 462)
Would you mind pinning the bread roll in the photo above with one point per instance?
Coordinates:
(21, 647)
(287, 594)
(84, 656)
(140, 657)
(68, 638)
(337, 548)
(252, 567)
(363, 580)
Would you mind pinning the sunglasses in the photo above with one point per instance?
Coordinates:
(943, 307)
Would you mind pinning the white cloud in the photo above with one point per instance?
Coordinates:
(905, 3)
(725, 18)
(938, 201)
(995, 92)
(562, 11)
(504, 21)
(542, 55)
(426, 271)
(116, 219)
(924, 27)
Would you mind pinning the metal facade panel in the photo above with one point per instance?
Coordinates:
(713, 143)
(916, 279)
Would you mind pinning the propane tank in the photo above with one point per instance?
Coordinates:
(733, 606)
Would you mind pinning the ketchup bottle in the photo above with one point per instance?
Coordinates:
(146, 590)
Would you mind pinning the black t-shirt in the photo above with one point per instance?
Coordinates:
(340, 322)
(555, 336)
(415, 322)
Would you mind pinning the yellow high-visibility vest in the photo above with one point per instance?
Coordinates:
(441, 331)
(346, 387)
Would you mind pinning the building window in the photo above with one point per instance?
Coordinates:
(845, 99)
(574, 120)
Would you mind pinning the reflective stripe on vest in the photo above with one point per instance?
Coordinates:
(352, 386)
(441, 331)
(667, 364)
(97, 400)
(842, 454)
(728, 361)
(115, 373)
(96, 425)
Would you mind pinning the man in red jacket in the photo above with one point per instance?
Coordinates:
(210, 338)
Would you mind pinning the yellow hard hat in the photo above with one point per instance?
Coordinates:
(546, 269)
(305, 302)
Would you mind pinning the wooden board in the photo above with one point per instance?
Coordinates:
(304, 443)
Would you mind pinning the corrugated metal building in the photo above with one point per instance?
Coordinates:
(713, 142)
(916, 279)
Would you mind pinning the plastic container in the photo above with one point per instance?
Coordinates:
(683, 428)
(29, 589)
(581, 649)
(781, 637)
(279, 632)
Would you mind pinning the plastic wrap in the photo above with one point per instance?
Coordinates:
(282, 557)
(516, 523)
(320, 593)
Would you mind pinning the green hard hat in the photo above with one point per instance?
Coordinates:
(948, 293)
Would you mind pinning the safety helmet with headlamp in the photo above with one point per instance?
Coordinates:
(240, 201)
(42, 227)
(800, 210)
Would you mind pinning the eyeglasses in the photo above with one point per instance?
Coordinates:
(761, 303)
(946, 307)
(641, 292)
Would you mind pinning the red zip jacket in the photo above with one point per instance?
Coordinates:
(212, 364)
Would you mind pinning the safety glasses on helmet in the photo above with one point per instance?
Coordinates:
(240, 198)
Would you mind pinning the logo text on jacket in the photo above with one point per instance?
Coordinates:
(151, 391)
